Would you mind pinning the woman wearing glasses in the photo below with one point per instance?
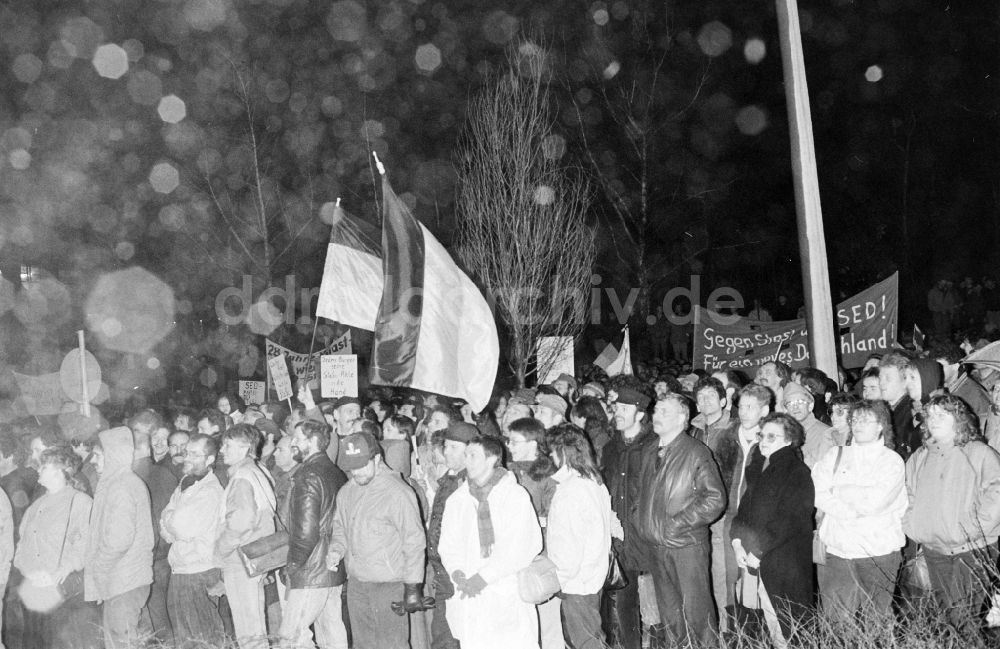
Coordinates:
(861, 499)
(772, 531)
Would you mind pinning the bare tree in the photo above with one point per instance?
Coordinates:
(260, 226)
(522, 230)
(639, 98)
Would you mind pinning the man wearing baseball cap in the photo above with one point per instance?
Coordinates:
(622, 458)
(378, 532)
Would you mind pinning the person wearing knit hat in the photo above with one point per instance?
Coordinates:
(378, 533)
(565, 385)
(460, 431)
(820, 438)
(346, 410)
(550, 409)
(593, 389)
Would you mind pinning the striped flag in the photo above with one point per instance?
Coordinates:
(623, 363)
(433, 330)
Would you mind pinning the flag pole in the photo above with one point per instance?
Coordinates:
(85, 406)
(812, 244)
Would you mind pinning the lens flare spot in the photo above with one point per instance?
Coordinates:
(110, 61)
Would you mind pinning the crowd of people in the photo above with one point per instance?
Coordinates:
(632, 511)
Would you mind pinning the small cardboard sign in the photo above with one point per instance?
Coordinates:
(280, 379)
(338, 375)
(252, 392)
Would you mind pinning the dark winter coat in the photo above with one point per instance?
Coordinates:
(775, 524)
(314, 490)
(622, 462)
(447, 485)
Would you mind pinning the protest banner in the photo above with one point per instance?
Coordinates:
(554, 357)
(866, 324)
(341, 345)
(302, 368)
(277, 367)
(252, 392)
(338, 375)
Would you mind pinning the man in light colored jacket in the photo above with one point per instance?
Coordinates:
(246, 514)
(118, 567)
(488, 534)
(378, 532)
(190, 523)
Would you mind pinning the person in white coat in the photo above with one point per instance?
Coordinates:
(861, 499)
(489, 532)
(579, 535)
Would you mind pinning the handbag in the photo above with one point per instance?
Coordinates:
(538, 582)
(616, 579)
(265, 554)
(819, 547)
(748, 588)
(915, 572)
(72, 586)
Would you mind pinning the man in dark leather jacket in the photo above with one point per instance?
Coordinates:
(313, 590)
(681, 493)
(622, 459)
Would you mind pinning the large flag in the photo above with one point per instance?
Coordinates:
(433, 329)
(623, 363)
(352, 277)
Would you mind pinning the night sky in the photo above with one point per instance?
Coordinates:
(135, 133)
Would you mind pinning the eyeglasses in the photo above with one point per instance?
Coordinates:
(863, 420)
(796, 402)
(770, 437)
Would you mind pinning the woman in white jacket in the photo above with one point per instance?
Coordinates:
(579, 535)
(861, 499)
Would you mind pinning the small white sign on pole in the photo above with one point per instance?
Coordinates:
(555, 357)
(252, 392)
(339, 375)
(282, 382)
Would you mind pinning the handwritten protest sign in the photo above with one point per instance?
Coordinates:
(339, 375)
(277, 366)
(252, 392)
(866, 324)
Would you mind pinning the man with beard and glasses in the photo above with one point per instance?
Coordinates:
(314, 590)
(190, 523)
(378, 533)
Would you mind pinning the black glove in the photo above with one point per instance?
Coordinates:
(413, 600)
(473, 586)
